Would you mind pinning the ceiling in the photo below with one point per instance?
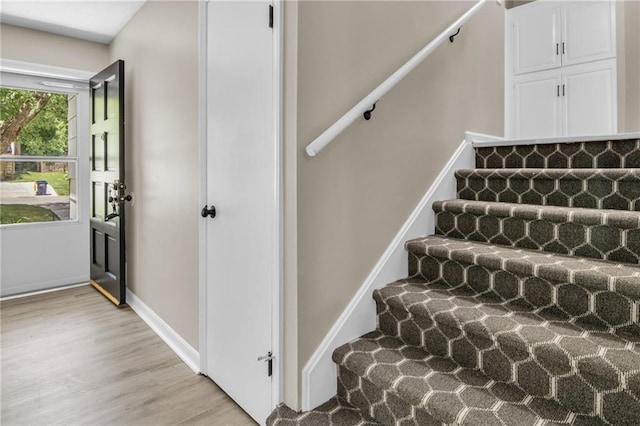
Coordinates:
(93, 20)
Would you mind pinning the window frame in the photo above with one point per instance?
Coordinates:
(20, 75)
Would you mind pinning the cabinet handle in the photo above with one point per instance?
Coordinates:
(558, 90)
(563, 47)
(563, 90)
(557, 48)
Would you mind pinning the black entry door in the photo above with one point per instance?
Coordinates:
(108, 187)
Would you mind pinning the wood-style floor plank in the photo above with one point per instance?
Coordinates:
(72, 358)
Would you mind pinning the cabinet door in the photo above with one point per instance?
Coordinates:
(590, 99)
(589, 32)
(536, 36)
(536, 106)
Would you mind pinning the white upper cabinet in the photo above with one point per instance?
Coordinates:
(537, 40)
(550, 34)
(588, 32)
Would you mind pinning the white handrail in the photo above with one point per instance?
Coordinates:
(365, 104)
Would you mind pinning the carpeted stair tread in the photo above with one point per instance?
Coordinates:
(335, 412)
(422, 298)
(516, 346)
(383, 405)
(600, 234)
(465, 312)
(632, 175)
(583, 216)
(589, 273)
(591, 154)
(449, 393)
(617, 189)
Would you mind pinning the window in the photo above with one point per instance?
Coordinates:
(38, 157)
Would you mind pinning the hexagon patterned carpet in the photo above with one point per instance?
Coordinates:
(523, 309)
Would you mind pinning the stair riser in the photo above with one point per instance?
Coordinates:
(594, 193)
(595, 241)
(382, 406)
(595, 308)
(608, 154)
(571, 383)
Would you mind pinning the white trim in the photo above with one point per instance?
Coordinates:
(202, 181)
(18, 226)
(27, 158)
(478, 143)
(376, 94)
(474, 137)
(47, 290)
(47, 71)
(277, 390)
(359, 317)
(168, 335)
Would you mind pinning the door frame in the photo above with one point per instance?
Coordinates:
(277, 280)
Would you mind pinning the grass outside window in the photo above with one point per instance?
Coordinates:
(22, 213)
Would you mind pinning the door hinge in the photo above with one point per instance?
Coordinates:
(270, 16)
(269, 359)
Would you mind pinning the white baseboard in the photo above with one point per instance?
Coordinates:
(359, 317)
(47, 290)
(34, 288)
(185, 352)
(484, 141)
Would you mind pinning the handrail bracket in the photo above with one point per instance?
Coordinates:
(367, 113)
(452, 37)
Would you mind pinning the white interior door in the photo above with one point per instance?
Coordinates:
(537, 112)
(242, 183)
(589, 101)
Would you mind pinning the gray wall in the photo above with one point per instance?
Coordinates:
(356, 194)
(21, 44)
(159, 47)
(514, 3)
(628, 43)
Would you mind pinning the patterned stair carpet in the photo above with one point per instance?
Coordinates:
(523, 309)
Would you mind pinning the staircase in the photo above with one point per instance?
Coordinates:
(523, 309)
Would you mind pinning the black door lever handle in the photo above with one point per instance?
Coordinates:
(111, 216)
(211, 212)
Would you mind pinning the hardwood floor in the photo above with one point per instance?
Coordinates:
(72, 358)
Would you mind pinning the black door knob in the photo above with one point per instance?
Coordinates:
(211, 212)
